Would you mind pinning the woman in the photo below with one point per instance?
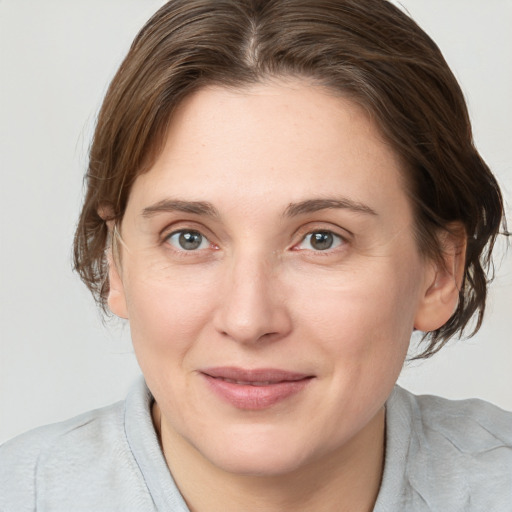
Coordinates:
(279, 193)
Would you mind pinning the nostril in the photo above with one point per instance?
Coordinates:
(248, 337)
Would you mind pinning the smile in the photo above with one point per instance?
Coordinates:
(246, 383)
(254, 389)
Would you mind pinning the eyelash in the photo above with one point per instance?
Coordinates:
(181, 232)
(336, 239)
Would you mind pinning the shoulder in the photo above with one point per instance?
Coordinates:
(86, 463)
(35, 443)
(457, 450)
(75, 442)
(473, 426)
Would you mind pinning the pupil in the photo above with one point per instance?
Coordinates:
(190, 240)
(322, 240)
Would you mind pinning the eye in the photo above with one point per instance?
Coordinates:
(320, 241)
(188, 240)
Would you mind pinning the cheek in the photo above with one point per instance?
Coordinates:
(167, 314)
(362, 317)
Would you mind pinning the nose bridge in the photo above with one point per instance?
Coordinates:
(252, 306)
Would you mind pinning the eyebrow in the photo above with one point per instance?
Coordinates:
(292, 210)
(175, 205)
(314, 205)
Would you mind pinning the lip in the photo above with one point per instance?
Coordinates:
(254, 389)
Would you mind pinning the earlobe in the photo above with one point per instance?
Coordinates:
(443, 281)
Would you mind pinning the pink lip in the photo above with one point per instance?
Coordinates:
(254, 389)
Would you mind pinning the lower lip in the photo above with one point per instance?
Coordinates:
(245, 396)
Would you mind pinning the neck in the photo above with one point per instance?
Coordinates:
(347, 479)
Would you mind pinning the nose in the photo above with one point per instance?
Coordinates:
(252, 307)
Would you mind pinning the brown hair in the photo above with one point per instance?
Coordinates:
(367, 50)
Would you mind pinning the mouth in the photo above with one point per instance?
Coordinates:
(254, 389)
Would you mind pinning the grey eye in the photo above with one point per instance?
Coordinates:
(188, 240)
(321, 241)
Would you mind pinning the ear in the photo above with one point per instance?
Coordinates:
(443, 281)
(116, 297)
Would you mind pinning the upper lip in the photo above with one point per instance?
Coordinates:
(254, 375)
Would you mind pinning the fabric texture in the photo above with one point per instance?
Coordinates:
(441, 456)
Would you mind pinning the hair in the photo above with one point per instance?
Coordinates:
(366, 50)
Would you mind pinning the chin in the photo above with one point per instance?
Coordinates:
(257, 454)
(259, 465)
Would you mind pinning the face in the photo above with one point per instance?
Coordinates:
(270, 275)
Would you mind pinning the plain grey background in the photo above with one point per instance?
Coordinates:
(57, 359)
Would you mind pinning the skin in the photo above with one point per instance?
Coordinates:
(258, 294)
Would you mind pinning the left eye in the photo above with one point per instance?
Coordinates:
(188, 240)
(320, 241)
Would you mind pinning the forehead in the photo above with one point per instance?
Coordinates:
(272, 144)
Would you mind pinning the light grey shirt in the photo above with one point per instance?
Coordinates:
(441, 455)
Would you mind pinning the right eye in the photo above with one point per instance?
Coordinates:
(188, 240)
